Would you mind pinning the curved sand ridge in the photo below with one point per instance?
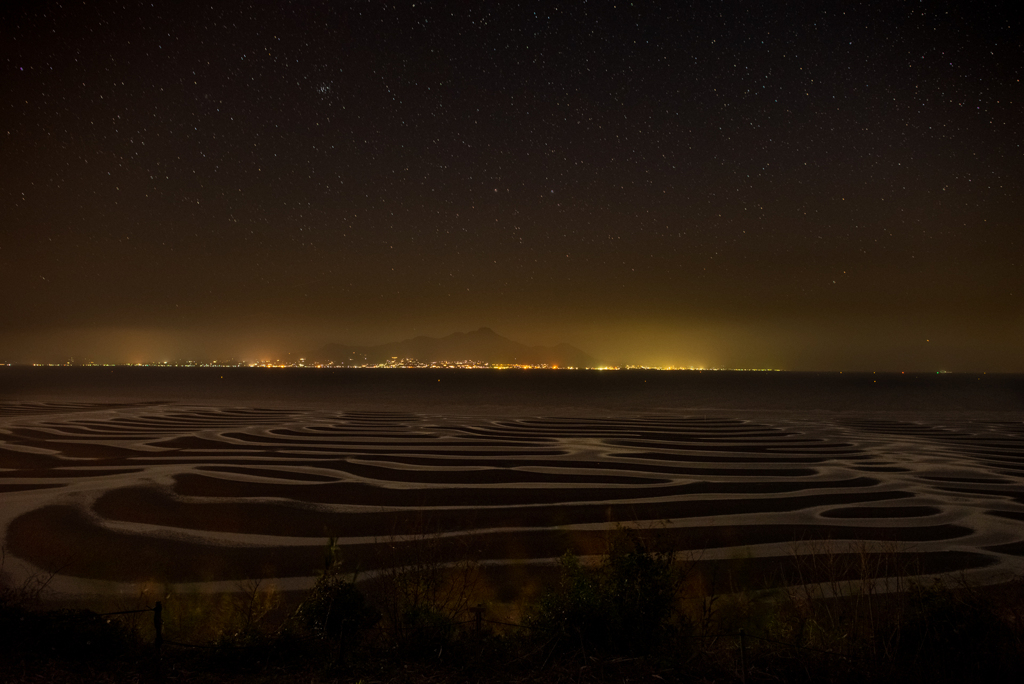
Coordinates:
(169, 493)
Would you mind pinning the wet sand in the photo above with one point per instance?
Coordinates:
(117, 493)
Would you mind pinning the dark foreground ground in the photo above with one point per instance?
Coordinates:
(637, 615)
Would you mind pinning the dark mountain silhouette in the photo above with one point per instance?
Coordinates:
(482, 346)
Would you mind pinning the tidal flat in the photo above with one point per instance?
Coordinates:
(118, 478)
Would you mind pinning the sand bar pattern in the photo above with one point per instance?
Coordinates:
(175, 493)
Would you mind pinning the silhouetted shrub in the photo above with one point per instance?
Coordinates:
(627, 604)
(335, 608)
(948, 635)
(642, 585)
(577, 611)
(422, 590)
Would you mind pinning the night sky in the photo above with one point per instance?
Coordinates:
(802, 185)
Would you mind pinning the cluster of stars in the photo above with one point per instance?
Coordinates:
(786, 159)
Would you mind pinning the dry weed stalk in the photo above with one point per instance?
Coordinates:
(848, 597)
(30, 590)
(424, 584)
(256, 603)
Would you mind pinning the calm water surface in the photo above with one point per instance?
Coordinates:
(524, 392)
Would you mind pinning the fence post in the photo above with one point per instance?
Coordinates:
(158, 624)
(479, 610)
(743, 656)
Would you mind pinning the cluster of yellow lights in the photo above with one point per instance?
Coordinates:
(397, 363)
(393, 363)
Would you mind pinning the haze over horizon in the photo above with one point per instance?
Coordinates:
(807, 187)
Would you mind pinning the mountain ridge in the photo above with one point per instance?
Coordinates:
(480, 346)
